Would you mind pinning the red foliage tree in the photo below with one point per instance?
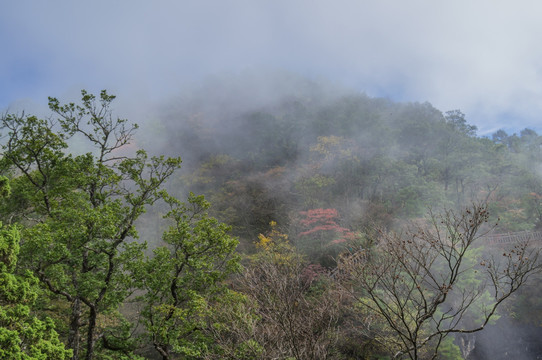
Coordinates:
(317, 221)
(320, 235)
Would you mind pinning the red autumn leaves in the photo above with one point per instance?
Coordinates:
(324, 222)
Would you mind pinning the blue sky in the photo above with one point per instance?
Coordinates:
(483, 57)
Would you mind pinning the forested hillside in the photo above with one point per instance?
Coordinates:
(304, 222)
(373, 160)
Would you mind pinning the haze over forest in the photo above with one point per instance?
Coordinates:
(480, 57)
(321, 187)
(305, 181)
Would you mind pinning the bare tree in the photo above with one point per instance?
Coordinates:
(432, 281)
(297, 318)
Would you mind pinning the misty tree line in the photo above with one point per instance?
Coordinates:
(112, 254)
(371, 159)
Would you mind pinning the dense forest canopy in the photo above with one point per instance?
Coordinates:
(311, 145)
(292, 195)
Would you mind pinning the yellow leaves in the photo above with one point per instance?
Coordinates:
(332, 146)
(326, 144)
(274, 248)
(273, 239)
(264, 243)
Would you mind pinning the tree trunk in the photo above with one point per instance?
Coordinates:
(161, 351)
(467, 343)
(75, 325)
(90, 334)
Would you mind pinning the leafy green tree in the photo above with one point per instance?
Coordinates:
(184, 278)
(78, 212)
(530, 144)
(500, 137)
(419, 135)
(23, 336)
(456, 119)
(233, 327)
(248, 204)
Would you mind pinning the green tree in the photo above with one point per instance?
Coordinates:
(456, 119)
(184, 278)
(78, 212)
(23, 336)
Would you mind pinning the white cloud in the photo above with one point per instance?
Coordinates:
(482, 57)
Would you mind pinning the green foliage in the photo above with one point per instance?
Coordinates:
(78, 212)
(184, 279)
(5, 188)
(355, 153)
(249, 204)
(314, 189)
(372, 160)
(233, 327)
(449, 351)
(22, 335)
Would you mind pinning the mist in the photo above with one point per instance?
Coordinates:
(481, 58)
(371, 113)
(268, 147)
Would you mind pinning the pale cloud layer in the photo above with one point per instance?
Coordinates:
(483, 57)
